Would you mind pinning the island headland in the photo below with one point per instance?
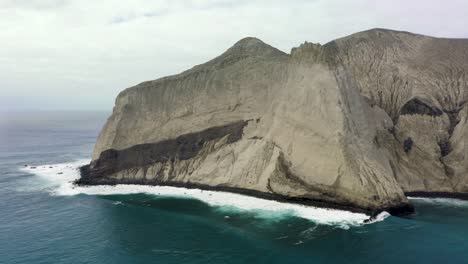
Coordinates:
(358, 123)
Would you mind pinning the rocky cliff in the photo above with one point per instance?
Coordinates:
(353, 124)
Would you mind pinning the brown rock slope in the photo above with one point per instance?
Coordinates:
(351, 124)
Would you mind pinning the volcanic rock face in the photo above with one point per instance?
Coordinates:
(354, 123)
(422, 84)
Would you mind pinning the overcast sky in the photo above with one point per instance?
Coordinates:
(78, 54)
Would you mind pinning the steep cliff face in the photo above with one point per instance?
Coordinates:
(351, 124)
(421, 83)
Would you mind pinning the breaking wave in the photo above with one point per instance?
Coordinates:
(57, 179)
(446, 202)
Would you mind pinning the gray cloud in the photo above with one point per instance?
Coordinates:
(78, 54)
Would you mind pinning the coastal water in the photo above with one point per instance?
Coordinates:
(45, 219)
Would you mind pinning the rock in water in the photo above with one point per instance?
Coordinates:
(323, 125)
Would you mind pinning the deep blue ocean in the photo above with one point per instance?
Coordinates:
(40, 224)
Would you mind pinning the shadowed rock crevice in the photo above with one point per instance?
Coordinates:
(454, 119)
(416, 106)
(445, 147)
(408, 144)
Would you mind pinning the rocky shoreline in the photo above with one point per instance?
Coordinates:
(403, 210)
(460, 196)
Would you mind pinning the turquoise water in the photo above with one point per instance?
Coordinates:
(37, 225)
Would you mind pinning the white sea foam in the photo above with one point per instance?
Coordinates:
(448, 202)
(379, 218)
(58, 180)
